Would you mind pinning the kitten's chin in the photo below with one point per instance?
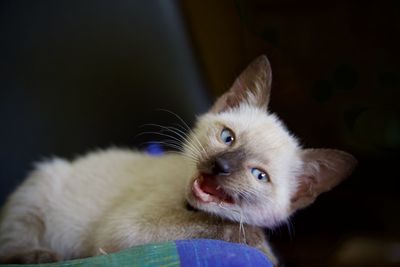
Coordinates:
(206, 191)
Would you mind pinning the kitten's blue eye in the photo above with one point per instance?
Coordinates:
(260, 175)
(227, 136)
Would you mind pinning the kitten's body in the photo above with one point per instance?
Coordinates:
(114, 199)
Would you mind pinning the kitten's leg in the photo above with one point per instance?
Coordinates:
(32, 257)
(22, 224)
(20, 234)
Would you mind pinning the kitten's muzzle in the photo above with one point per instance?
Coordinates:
(223, 164)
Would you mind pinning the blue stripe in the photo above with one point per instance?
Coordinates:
(215, 253)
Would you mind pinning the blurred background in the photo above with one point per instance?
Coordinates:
(80, 75)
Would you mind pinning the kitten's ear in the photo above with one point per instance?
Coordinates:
(253, 86)
(323, 169)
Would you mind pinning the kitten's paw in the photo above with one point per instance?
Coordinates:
(32, 257)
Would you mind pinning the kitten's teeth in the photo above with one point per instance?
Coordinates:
(218, 187)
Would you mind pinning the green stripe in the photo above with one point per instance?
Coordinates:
(151, 255)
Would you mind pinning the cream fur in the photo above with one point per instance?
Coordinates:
(113, 199)
(275, 150)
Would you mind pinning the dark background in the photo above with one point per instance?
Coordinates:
(78, 75)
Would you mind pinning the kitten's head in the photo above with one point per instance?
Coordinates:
(250, 169)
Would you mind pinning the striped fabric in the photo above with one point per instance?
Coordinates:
(182, 253)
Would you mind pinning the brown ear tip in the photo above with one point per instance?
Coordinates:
(350, 161)
(350, 158)
(353, 162)
(263, 59)
(261, 63)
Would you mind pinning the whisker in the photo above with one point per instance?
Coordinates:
(192, 137)
(175, 145)
(186, 125)
(241, 229)
(185, 137)
(290, 228)
(176, 115)
(161, 134)
(188, 139)
(189, 156)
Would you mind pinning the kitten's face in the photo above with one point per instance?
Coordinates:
(249, 168)
(246, 164)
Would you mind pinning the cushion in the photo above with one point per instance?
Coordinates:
(184, 253)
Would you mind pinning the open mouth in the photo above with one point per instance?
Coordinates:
(206, 189)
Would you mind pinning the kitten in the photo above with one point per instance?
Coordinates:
(240, 170)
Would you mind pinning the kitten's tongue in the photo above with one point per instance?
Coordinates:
(210, 186)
